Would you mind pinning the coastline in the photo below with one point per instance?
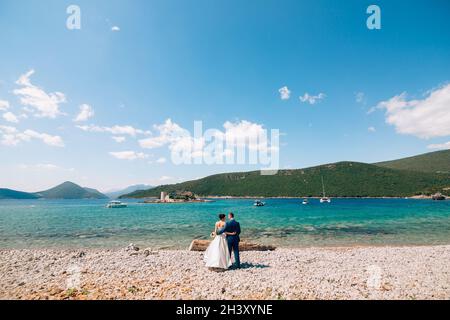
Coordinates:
(260, 197)
(351, 272)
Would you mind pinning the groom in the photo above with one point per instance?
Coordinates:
(232, 226)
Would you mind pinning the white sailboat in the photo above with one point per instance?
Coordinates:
(324, 198)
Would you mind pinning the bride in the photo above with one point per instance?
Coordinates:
(217, 254)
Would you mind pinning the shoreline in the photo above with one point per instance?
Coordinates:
(206, 198)
(318, 197)
(350, 272)
(186, 248)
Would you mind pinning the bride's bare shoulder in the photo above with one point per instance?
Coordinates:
(220, 224)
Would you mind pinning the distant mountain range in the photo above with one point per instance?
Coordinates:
(117, 193)
(66, 190)
(423, 174)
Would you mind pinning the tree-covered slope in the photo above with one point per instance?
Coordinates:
(13, 194)
(343, 179)
(438, 162)
(70, 190)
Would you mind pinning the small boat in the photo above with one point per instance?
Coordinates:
(324, 198)
(305, 201)
(116, 204)
(259, 203)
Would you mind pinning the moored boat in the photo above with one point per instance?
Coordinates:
(116, 204)
(259, 203)
(324, 198)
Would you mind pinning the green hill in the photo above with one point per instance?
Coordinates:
(438, 162)
(13, 194)
(70, 190)
(343, 179)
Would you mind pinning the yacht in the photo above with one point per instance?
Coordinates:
(305, 201)
(116, 204)
(259, 203)
(324, 198)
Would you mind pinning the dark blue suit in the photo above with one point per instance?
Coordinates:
(233, 241)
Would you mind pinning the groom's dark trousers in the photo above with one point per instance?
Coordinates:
(233, 241)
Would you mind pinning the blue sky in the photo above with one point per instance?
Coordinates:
(380, 94)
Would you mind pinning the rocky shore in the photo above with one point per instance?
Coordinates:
(308, 273)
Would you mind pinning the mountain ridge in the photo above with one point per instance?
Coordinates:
(65, 190)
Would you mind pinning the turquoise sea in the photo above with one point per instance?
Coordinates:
(283, 222)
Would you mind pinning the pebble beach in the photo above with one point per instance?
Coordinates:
(421, 272)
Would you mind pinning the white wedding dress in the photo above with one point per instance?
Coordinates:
(217, 254)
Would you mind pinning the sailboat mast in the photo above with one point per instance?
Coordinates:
(323, 188)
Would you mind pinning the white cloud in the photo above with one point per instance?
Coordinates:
(312, 99)
(128, 155)
(10, 136)
(241, 134)
(7, 129)
(86, 112)
(4, 105)
(285, 94)
(119, 139)
(161, 160)
(115, 28)
(43, 166)
(371, 129)
(169, 133)
(246, 133)
(43, 104)
(165, 178)
(54, 141)
(116, 130)
(426, 118)
(10, 117)
(360, 97)
(445, 145)
(176, 138)
(372, 110)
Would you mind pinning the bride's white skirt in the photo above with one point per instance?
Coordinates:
(217, 254)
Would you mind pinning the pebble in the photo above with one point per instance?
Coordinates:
(303, 273)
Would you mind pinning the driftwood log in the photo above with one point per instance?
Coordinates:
(201, 245)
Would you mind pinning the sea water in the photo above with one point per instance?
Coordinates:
(282, 222)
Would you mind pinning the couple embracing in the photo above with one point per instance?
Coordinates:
(226, 240)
